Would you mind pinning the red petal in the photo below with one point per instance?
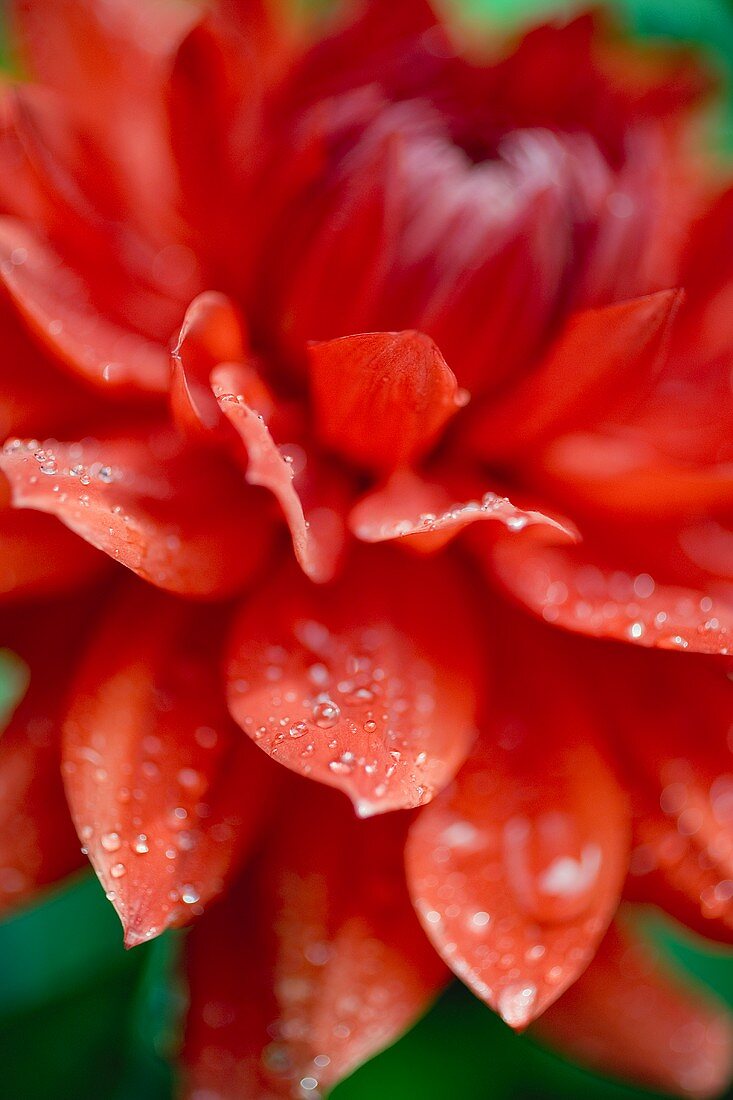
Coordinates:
(517, 867)
(40, 557)
(34, 396)
(52, 176)
(179, 519)
(599, 357)
(109, 62)
(367, 685)
(312, 967)
(492, 317)
(339, 281)
(55, 305)
(165, 793)
(318, 539)
(424, 513)
(364, 385)
(674, 726)
(622, 470)
(627, 1016)
(38, 844)
(212, 333)
(569, 589)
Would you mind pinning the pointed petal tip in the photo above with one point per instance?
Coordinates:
(134, 937)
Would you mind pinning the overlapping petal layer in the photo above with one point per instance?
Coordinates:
(336, 964)
(180, 519)
(630, 1017)
(376, 221)
(166, 792)
(516, 868)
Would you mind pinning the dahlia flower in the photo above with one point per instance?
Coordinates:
(366, 521)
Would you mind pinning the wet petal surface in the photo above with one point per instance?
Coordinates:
(180, 519)
(166, 793)
(313, 964)
(517, 867)
(368, 685)
(630, 1017)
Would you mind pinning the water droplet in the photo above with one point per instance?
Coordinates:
(189, 894)
(326, 713)
(111, 842)
(118, 870)
(141, 844)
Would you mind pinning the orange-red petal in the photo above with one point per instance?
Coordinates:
(166, 794)
(318, 536)
(109, 63)
(41, 557)
(382, 398)
(424, 513)
(38, 844)
(368, 685)
(55, 305)
(673, 725)
(315, 963)
(629, 1017)
(517, 867)
(568, 588)
(180, 519)
(212, 333)
(601, 356)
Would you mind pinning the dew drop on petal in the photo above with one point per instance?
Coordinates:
(515, 1003)
(326, 714)
(110, 842)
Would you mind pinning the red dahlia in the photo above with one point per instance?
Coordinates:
(430, 506)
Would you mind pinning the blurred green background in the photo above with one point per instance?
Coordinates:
(81, 1019)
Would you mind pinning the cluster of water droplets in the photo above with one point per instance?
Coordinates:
(160, 818)
(695, 850)
(354, 709)
(596, 601)
(50, 466)
(509, 906)
(337, 987)
(490, 506)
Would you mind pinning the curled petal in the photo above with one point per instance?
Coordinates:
(54, 304)
(212, 333)
(517, 867)
(330, 950)
(179, 519)
(363, 386)
(368, 685)
(601, 356)
(424, 513)
(567, 589)
(628, 1017)
(317, 539)
(165, 794)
